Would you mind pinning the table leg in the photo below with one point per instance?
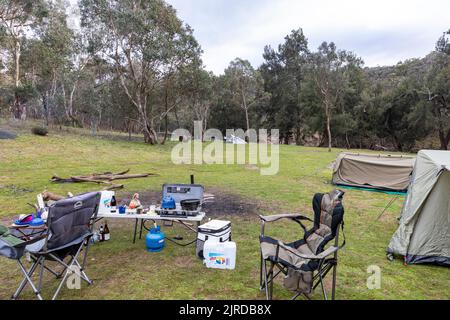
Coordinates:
(140, 232)
(135, 231)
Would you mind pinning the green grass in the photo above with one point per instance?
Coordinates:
(121, 270)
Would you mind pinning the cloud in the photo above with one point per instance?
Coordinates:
(381, 32)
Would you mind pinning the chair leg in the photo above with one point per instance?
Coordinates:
(333, 288)
(41, 273)
(87, 245)
(266, 287)
(323, 288)
(66, 274)
(261, 279)
(26, 280)
(74, 260)
(68, 268)
(271, 280)
(84, 275)
(57, 275)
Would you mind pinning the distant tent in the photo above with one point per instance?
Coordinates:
(390, 173)
(424, 232)
(235, 140)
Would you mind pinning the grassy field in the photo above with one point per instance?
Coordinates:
(122, 270)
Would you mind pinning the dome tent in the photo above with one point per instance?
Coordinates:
(424, 232)
(390, 173)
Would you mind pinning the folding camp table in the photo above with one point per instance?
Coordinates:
(143, 218)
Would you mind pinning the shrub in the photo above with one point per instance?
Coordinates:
(40, 131)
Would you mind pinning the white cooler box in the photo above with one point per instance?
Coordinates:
(214, 230)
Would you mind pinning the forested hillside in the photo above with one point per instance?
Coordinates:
(135, 66)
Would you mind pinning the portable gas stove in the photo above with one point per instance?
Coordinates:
(181, 200)
(176, 212)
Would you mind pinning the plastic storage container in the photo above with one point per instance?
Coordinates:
(105, 202)
(155, 240)
(214, 230)
(220, 255)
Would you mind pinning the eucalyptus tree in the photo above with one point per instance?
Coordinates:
(199, 92)
(437, 87)
(17, 18)
(147, 43)
(284, 72)
(47, 59)
(330, 72)
(246, 86)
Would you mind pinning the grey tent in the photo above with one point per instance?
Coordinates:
(424, 232)
(373, 171)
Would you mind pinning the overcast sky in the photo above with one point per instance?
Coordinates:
(382, 32)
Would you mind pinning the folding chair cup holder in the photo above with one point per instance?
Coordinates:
(304, 263)
(68, 233)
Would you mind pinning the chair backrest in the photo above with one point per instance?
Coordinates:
(70, 219)
(328, 216)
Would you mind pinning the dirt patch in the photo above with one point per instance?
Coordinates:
(221, 204)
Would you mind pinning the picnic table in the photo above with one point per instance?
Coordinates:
(186, 221)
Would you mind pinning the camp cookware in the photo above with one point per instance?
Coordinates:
(190, 204)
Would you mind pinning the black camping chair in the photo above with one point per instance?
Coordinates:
(69, 231)
(305, 262)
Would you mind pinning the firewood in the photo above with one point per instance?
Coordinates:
(105, 178)
(51, 196)
(114, 187)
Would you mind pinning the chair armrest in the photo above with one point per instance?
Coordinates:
(322, 255)
(328, 252)
(283, 216)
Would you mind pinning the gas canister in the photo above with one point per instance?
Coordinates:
(155, 240)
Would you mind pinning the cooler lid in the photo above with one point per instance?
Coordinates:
(214, 226)
(181, 192)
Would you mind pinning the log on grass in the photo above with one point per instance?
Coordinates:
(51, 196)
(114, 187)
(101, 178)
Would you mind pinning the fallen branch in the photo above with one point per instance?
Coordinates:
(51, 196)
(114, 187)
(102, 178)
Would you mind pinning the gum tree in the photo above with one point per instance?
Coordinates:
(330, 73)
(146, 43)
(17, 17)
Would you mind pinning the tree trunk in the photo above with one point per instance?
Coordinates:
(17, 108)
(166, 124)
(150, 135)
(45, 106)
(328, 115)
(348, 142)
(246, 118)
(444, 139)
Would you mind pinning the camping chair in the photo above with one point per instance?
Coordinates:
(69, 231)
(12, 246)
(305, 262)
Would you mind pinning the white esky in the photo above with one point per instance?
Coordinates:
(382, 32)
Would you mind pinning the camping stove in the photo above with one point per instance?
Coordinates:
(188, 200)
(176, 212)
